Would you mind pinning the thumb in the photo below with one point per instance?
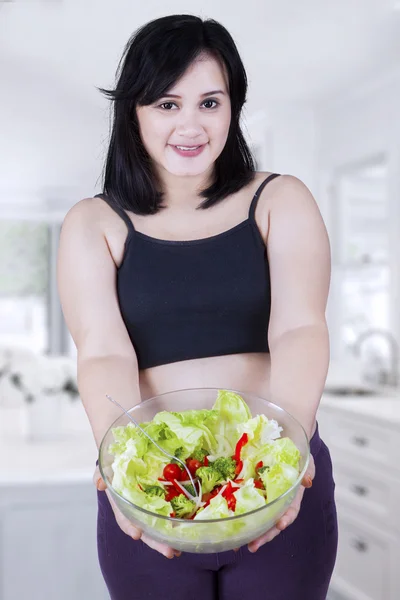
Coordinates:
(99, 481)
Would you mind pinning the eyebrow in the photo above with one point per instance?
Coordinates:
(212, 93)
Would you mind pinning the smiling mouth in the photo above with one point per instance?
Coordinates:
(188, 147)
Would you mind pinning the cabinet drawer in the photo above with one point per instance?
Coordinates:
(370, 493)
(366, 441)
(362, 562)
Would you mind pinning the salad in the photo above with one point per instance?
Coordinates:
(238, 462)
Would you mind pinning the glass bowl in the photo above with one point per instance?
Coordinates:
(205, 536)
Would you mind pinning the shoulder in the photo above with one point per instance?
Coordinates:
(91, 214)
(88, 210)
(283, 185)
(286, 194)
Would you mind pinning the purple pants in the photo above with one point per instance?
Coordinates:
(296, 565)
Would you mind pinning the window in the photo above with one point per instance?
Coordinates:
(24, 282)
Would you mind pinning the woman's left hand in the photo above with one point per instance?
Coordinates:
(291, 513)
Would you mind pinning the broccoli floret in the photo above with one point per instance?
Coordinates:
(262, 469)
(209, 477)
(189, 488)
(179, 453)
(154, 490)
(199, 454)
(226, 466)
(182, 506)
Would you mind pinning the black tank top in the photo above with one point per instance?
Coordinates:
(182, 300)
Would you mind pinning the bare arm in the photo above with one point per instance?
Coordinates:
(299, 255)
(87, 287)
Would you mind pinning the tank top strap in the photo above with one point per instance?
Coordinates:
(120, 211)
(256, 196)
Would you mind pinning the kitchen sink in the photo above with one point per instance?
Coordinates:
(350, 391)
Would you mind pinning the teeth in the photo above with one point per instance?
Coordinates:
(187, 148)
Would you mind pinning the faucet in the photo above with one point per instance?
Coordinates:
(387, 377)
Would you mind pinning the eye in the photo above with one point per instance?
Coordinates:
(210, 101)
(167, 104)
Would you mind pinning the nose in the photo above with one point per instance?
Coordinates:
(189, 124)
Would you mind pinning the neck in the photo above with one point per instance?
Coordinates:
(183, 191)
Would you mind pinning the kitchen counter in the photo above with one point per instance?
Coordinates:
(71, 458)
(384, 406)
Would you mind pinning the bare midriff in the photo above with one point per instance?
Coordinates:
(241, 372)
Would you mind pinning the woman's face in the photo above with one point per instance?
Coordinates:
(185, 131)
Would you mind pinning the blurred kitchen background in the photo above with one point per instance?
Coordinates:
(323, 105)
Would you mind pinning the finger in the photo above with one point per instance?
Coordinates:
(288, 518)
(307, 481)
(98, 480)
(126, 526)
(267, 537)
(162, 548)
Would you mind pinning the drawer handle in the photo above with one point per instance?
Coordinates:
(360, 441)
(360, 490)
(359, 545)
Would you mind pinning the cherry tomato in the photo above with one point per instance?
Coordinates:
(172, 493)
(206, 497)
(171, 472)
(259, 465)
(193, 465)
(184, 475)
(259, 484)
(206, 461)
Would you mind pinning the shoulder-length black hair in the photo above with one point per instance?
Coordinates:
(154, 58)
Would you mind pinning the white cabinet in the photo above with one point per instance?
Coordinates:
(48, 543)
(365, 447)
(48, 512)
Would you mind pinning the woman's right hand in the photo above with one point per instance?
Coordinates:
(127, 526)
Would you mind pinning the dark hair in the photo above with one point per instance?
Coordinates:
(154, 58)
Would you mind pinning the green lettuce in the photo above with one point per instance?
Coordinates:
(232, 411)
(248, 498)
(279, 451)
(278, 479)
(217, 509)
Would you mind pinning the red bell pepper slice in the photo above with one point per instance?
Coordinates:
(242, 442)
(239, 467)
(231, 501)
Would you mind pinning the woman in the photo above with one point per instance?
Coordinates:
(194, 270)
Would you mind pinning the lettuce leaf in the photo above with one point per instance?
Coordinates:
(232, 411)
(248, 498)
(278, 479)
